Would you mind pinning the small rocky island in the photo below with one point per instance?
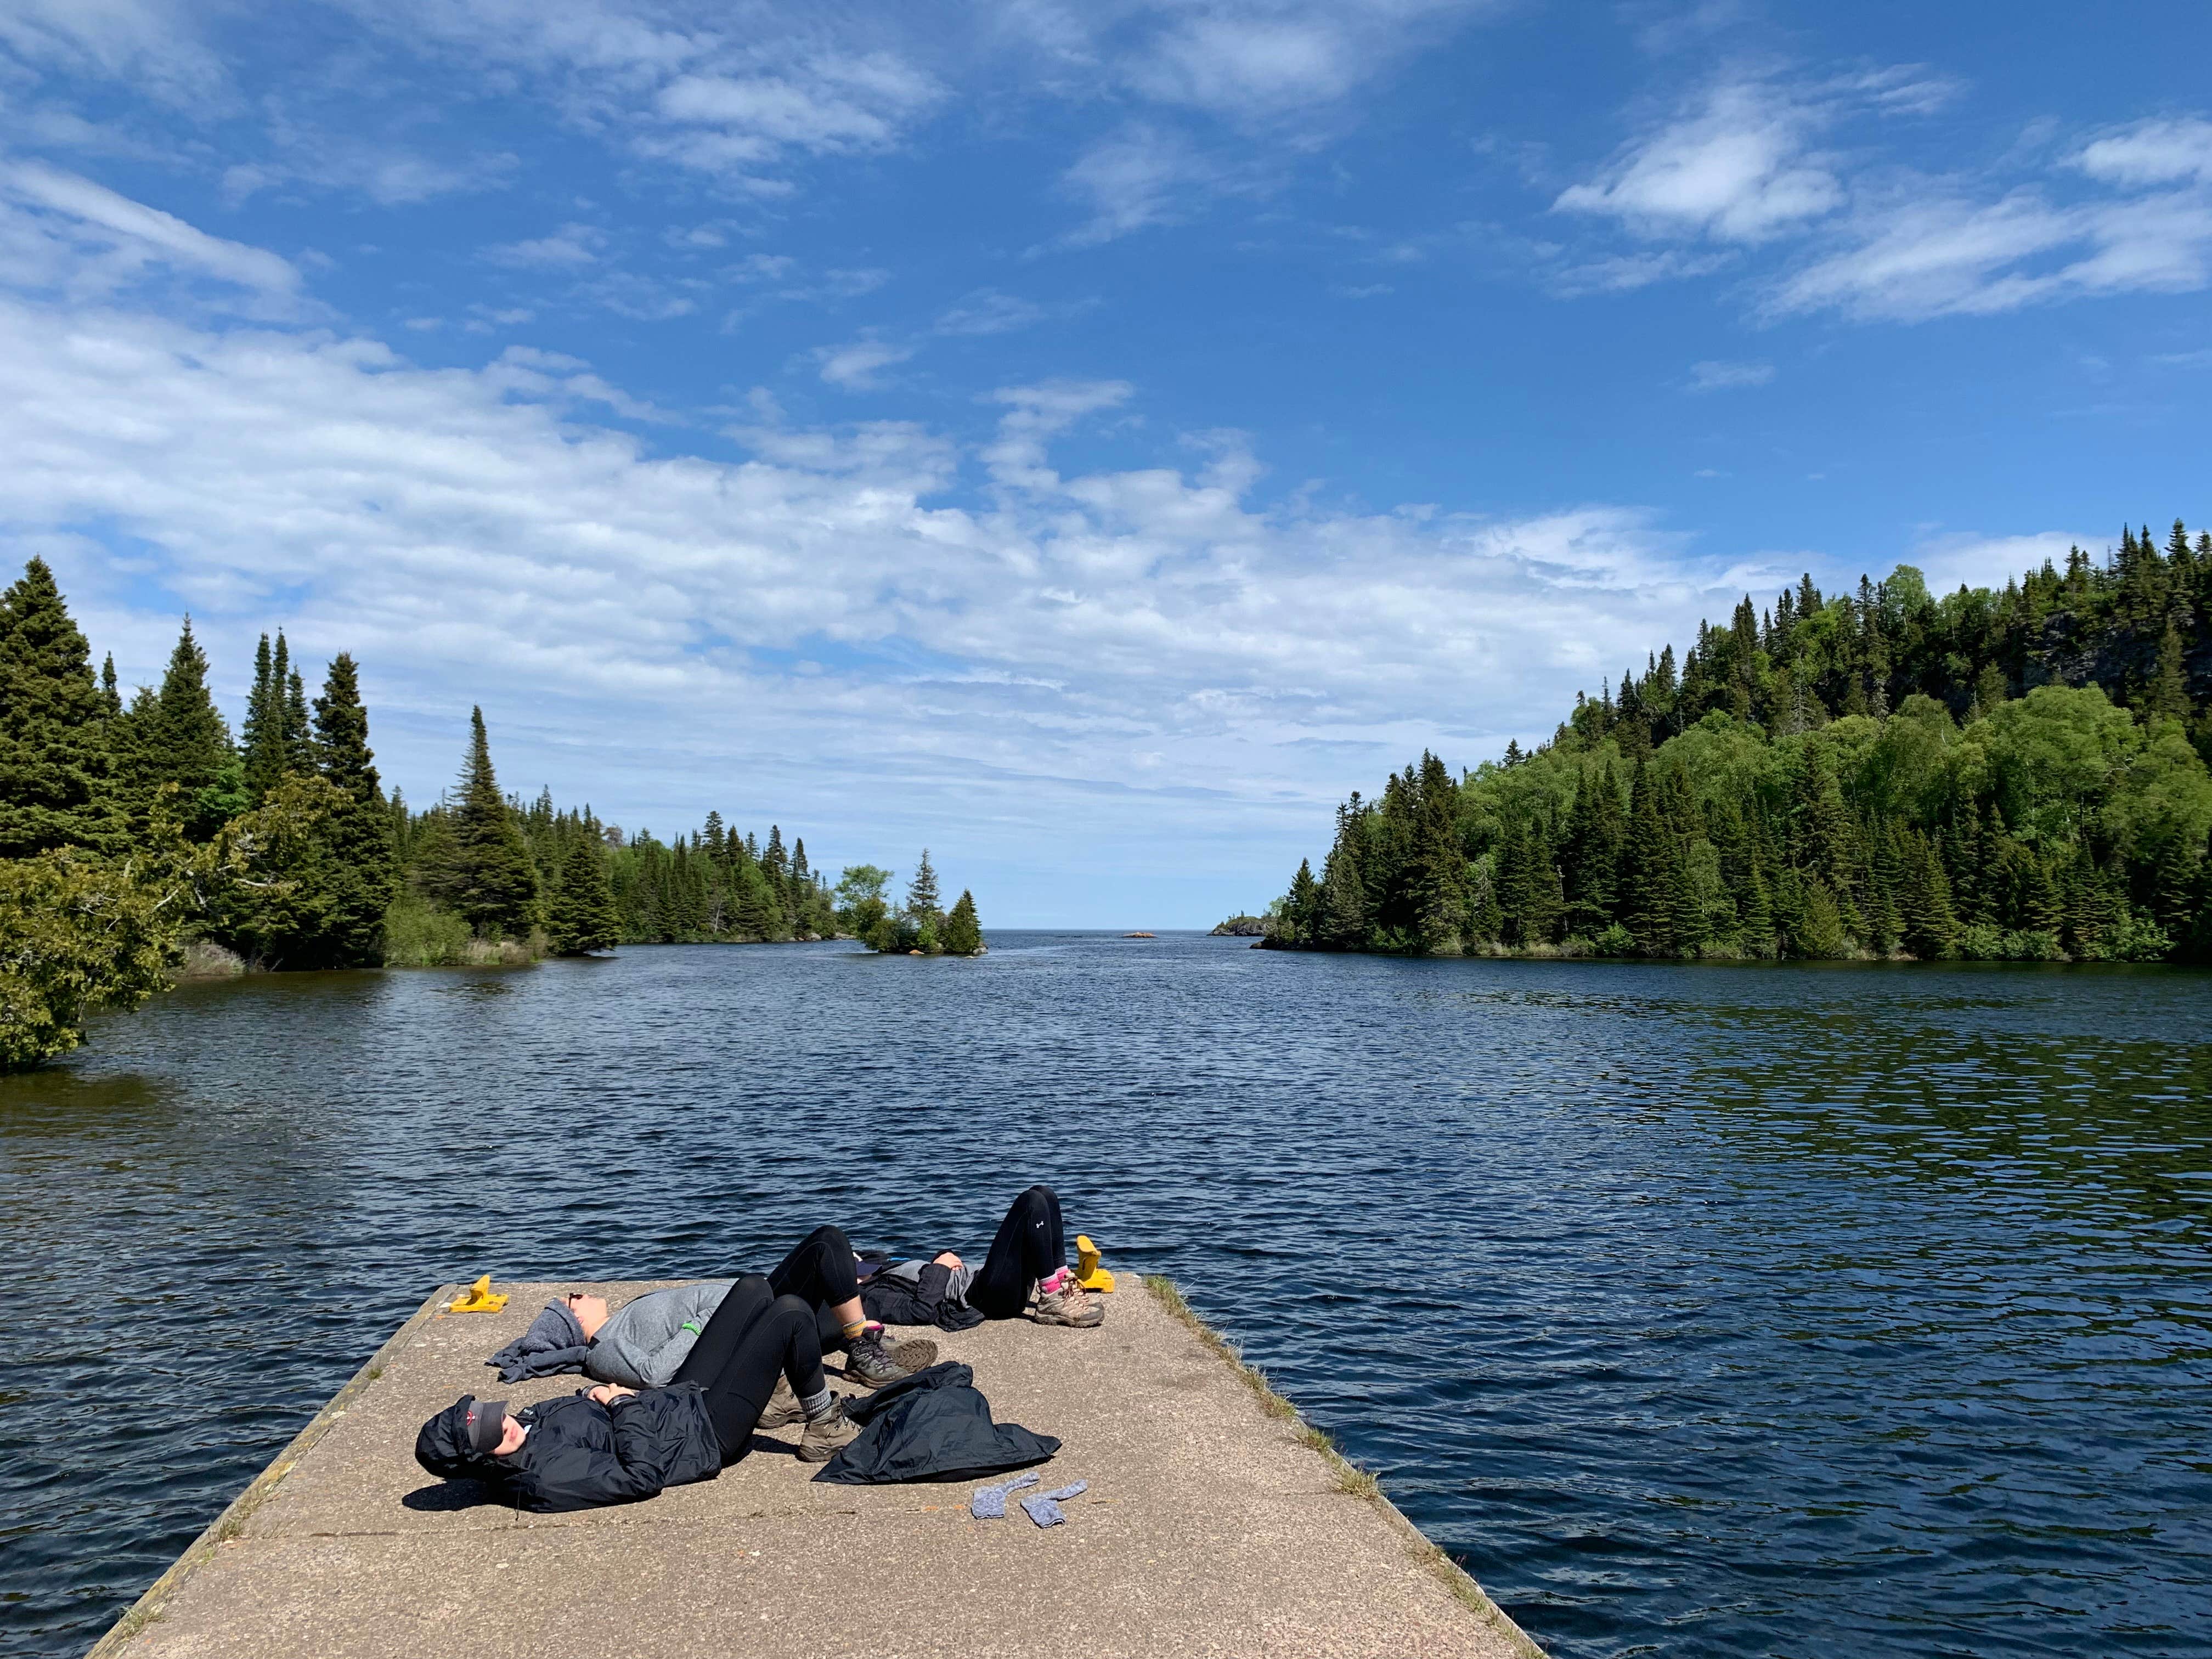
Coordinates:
(1242, 927)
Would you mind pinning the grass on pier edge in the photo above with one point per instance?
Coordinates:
(1349, 1477)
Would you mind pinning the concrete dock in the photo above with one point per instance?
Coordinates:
(1212, 1526)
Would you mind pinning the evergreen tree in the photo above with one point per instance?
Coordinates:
(2169, 691)
(484, 872)
(581, 917)
(55, 767)
(1650, 870)
(364, 872)
(1300, 922)
(110, 699)
(186, 742)
(1926, 922)
(921, 902)
(964, 930)
(262, 755)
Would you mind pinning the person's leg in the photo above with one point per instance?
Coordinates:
(778, 1344)
(821, 1273)
(719, 1339)
(1030, 1246)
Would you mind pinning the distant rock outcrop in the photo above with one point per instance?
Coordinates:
(1243, 927)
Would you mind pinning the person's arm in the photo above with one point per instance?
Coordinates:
(579, 1462)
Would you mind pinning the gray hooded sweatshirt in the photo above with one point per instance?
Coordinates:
(644, 1341)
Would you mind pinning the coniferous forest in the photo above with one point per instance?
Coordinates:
(2013, 776)
(139, 837)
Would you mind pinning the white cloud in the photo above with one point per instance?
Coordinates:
(152, 45)
(2152, 153)
(1138, 176)
(85, 233)
(986, 311)
(570, 245)
(1736, 169)
(1940, 255)
(1714, 376)
(856, 365)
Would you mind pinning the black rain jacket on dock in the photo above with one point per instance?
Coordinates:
(580, 1454)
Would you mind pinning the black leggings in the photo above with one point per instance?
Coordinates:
(822, 1273)
(755, 1336)
(1030, 1247)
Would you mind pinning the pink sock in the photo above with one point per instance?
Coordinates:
(1048, 1286)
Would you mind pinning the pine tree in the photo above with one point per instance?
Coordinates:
(264, 745)
(581, 916)
(56, 770)
(486, 874)
(964, 931)
(1300, 923)
(2169, 691)
(186, 742)
(1650, 873)
(921, 902)
(1343, 896)
(1927, 924)
(298, 745)
(110, 699)
(365, 872)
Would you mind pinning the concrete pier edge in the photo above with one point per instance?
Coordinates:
(148, 1607)
(1350, 1477)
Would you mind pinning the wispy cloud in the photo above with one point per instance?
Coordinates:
(571, 246)
(1715, 376)
(1740, 177)
(858, 365)
(130, 235)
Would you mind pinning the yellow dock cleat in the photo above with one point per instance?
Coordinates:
(1088, 1272)
(479, 1297)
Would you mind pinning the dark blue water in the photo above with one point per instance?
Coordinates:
(1799, 1310)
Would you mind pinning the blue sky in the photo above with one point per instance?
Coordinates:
(1087, 440)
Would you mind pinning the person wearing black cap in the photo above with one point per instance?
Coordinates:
(618, 1445)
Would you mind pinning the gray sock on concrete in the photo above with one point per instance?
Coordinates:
(989, 1503)
(817, 1405)
(1045, 1511)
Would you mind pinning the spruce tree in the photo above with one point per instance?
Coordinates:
(365, 873)
(1927, 924)
(2169, 691)
(55, 769)
(1651, 871)
(262, 733)
(581, 916)
(110, 699)
(488, 876)
(921, 902)
(1300, 918)
(962, 935)
(187, 742)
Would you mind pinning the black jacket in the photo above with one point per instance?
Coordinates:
(580, 1454)
(932, 1425)
(900, 1302)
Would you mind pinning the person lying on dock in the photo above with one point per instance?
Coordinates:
(640, 1344)
(757, 1364)
(1029, 1256)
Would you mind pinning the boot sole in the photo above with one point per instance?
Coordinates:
(813, 1452)
(1072, 1324)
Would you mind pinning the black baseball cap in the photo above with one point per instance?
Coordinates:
(487, 1425)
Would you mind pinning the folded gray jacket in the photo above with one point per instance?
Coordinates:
(644, 1341)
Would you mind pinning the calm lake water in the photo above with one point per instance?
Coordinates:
(1791, 1310)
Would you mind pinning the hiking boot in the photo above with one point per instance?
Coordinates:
(782, 1407)
(828, 1435)
(869, 1364)
(916, 1353)
(1070, 1304)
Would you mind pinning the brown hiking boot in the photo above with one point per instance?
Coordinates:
(916, 1353)
(871, 1362)
(1070, 1304)
(782, 1407)
(828, 1435)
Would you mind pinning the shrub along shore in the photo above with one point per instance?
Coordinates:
(140, 839)
(2010, 776)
